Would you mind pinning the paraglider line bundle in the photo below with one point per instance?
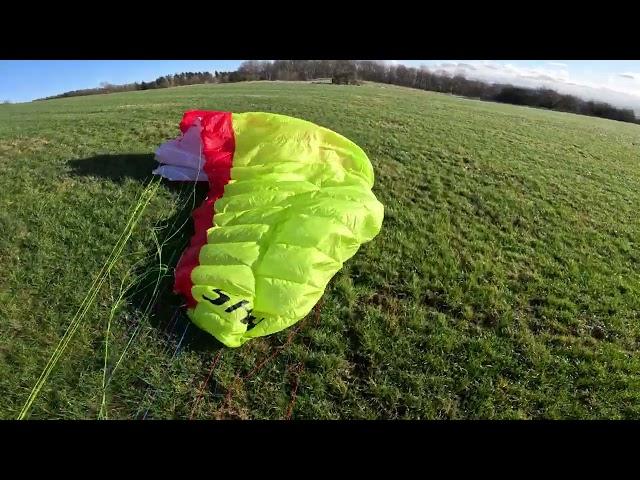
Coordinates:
(145, 197)
(297, 369)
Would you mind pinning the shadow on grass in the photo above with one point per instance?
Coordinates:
(167, 314)
(136, 166)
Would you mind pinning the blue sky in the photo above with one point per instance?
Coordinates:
(615, 81)
(25, 80)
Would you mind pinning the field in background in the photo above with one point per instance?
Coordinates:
(505, 282)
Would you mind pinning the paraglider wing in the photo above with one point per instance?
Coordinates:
(181, 159)
(289, 202)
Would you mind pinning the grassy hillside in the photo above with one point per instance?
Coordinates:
(505, 282)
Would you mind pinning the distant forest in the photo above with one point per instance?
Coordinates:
(354, 71)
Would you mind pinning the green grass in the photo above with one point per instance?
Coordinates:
(504, 284)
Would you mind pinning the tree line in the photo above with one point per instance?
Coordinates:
(166, 81)
(437, 81)
(352, 71)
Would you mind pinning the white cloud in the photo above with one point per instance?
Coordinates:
(467, 66)
(622, 90)
(557, 64)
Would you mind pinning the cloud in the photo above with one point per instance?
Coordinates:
(540, 76)
(616, 89)
(467, 66)
(557, 64)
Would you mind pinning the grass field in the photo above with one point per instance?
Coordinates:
(505, 282)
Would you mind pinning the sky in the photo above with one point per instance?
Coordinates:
(613, 81)
(26, 80)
